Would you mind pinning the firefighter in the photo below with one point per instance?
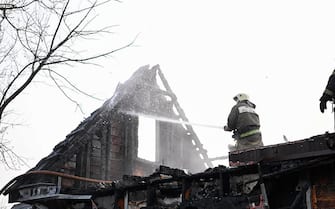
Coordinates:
(244, 122)
(328, 93)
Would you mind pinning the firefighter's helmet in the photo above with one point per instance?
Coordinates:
(241, 97)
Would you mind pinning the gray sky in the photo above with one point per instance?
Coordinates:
(279, 52)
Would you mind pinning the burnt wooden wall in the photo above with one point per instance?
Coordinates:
(107, 155)
(113, 151)
(110, 154)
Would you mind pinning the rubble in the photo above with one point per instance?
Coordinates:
(97, 167)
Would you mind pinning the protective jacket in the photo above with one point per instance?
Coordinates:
(243, 119)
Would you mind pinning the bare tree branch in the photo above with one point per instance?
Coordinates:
(72, 85)
(58, 26)
(8, 6)
(9, 157)
(39, 36)
(65, 94)
(84, 60)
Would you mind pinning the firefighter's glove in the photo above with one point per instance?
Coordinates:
(323, 102)
(323, 106)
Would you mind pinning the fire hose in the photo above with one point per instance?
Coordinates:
(54, 173)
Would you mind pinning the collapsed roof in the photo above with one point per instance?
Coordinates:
(105, 145)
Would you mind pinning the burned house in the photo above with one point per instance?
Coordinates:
(105, 145)
(97, 167)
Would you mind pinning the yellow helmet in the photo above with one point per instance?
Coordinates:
(241, 97)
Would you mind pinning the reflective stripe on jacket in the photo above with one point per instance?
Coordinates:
(244, 118)
(249, 133)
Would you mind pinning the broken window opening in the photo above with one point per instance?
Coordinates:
(160, 83)
(147, 138)
(168, 98)
(175, 110)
